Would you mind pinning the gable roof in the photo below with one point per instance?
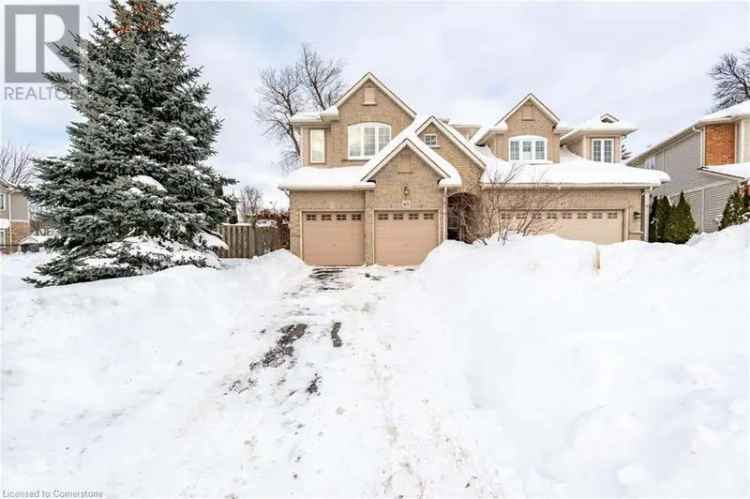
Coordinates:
(502, 126)
(332, 113)
(604, 123)
(454, 136)
(408, 138)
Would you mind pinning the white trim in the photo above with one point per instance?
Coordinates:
(456, 138)
(372, 78)
(534, 139)
(603, 140)
(542, 107)
(362, 126)
(406, 142)
(310, 151)
(434, 143)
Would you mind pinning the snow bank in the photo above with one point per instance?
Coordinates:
(553, 378)
(117, 385)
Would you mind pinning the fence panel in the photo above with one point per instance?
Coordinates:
(240, 238)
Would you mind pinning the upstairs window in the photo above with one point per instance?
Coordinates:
(317, 146)
(430, 139)
(603, 150)
(528, 148)
(366, 139)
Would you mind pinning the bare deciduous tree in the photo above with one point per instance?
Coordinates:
(321, 78)
(507, 207)
(731, 79)
(312, 83)
(16, 165)
(250, 203)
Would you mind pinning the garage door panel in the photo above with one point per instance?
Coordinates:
(598, 226)
(331, 238)
(404, 238)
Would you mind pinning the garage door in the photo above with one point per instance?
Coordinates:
(598, 226)
(333, 238)
(404, 237)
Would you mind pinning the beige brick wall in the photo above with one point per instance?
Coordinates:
(538, 124)
(720, 146)
(470, 172)
(351, 112)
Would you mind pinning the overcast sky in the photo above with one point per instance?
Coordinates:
(643, 62)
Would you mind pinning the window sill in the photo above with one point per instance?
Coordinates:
(369, 104)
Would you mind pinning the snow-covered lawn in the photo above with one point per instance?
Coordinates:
(542, 368)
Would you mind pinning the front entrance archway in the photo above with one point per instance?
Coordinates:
(462, 217)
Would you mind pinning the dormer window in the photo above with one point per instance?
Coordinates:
(528, 148)
(430, 139)
(366, 139)
(603, 150)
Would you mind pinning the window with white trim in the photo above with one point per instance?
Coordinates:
(430, 139)
(3, 197)
(317, 146)
(650, 163)
(3, 237)
(366, 139)
(603, 150)
(528, 148)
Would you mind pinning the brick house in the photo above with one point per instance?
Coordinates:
(380, 184)
(707, 160)
(15, 218)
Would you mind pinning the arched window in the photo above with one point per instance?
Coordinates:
(366, 139)
(527, 148)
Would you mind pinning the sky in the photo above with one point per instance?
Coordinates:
(471, 62)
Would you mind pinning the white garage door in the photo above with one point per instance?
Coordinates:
(333, 238)
(404, 237)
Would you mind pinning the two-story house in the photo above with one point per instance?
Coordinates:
(378, 181)
(15, 220)
(707, 160)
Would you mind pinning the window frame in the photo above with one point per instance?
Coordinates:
(3, 201)
(602, 140)
(432, 135)
(532, 140)
(361, 127)
(323, 143)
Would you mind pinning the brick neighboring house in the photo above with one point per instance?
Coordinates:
(15, 218)
(380, 184)
(707, 160)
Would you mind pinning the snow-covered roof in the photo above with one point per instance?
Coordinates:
(332, 113)
(602, 123)
(736, 170)
(334, 178)
(571, 170)
(502, 126)
(456, 137)
(409, 138)
(741, 110)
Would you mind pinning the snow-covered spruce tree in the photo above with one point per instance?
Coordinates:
(662, 215)
(736, 211)
(133, 194)
(653, 226)
(681, 225)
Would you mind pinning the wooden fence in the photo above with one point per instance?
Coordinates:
(246, 242)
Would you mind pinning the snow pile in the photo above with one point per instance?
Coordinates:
(739, 170)
(555, 368)
(118, 385)
(149, 181)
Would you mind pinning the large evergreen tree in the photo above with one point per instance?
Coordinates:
(737, 209)
(133, 194)
(681, 225)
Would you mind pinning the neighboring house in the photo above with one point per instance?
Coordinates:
(707, 160)
(15, 219)
(378, 182)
